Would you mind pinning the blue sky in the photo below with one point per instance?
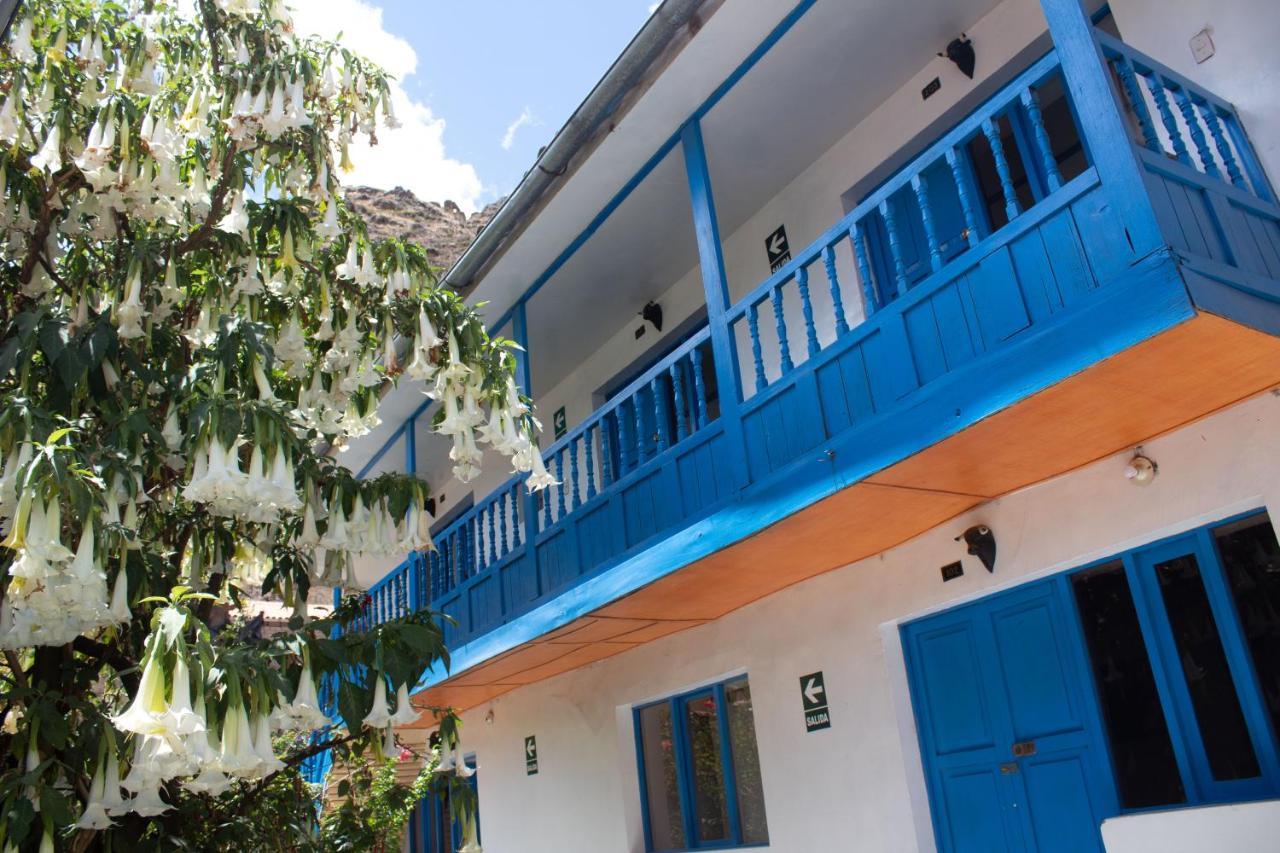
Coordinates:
(486, 83)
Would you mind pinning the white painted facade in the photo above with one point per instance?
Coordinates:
(858, 785)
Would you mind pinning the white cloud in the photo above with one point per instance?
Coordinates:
(526, 118)
(412, 156)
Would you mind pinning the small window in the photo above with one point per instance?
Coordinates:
(700, 770)
(433, 826)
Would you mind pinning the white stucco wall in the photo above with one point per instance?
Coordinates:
(861, 779)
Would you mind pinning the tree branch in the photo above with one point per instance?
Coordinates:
(111, 656)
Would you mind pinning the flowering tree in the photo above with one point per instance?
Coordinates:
(192, 319)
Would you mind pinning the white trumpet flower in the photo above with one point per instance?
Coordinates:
(405, 713)
(379, 715)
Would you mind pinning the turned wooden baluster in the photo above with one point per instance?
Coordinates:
(870, 302)
(780, 326)
(960, 174)
(1156, 86)
(1196, 129)
(677, 393)
(806, 310)
(837, 301)
(1031, 105)
(1228, 157)
(573, 471)
(1129, 81)
(699, 390)
(757, 355)
(920, 185)
(992, 132)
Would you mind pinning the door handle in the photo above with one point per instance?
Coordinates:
(1023, 748)
(1009, 769)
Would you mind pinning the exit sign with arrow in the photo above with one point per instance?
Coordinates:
(813, 693)
(530, 756)
(777, 248)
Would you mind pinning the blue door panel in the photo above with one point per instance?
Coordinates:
(1042, 691)
(1062, 781)
(977, 821)
(950, 677)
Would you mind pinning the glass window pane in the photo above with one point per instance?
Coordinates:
(1251, 556)
(657, 744)
(710, 807)
(1204, 665)
(1141, 750)
(746, 762)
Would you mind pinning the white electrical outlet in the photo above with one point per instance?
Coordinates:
(1202, 46)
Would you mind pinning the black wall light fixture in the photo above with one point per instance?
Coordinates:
(982, 544)
(652, 312)
(960, 51)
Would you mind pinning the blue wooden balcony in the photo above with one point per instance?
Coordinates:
(1094, 300)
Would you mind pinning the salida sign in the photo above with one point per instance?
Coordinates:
(813, 693)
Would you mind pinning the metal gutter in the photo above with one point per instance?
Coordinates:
(628, 71)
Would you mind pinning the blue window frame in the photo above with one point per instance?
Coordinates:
(700, 784)
(1182, 636)
(433, 828)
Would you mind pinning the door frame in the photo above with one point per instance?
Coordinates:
(919, 778)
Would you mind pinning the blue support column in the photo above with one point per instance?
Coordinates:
(1102, 123)
(524, 380)
(715, 285)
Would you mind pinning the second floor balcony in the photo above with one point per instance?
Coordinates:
(1082, 253)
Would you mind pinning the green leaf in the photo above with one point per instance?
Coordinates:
(18, 815)
(57, 434)
(9, 356)
(54, 806)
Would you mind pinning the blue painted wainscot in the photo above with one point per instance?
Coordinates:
(1000, 261)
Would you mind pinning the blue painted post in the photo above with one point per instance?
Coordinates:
(716, 288)
(920, 186)
(837, 301)
(1102, 123)
(524, 379)
(573, 471)
(888, 214)
(626, 428)
(806, 309)
(589, 441)
(699, 389)
(1220, 143)
(1031, 106)
(1196, 129)
(757, 354)
(677, 394)
(964, 190)
(1129, 82)
(870, 303)
(992, 132)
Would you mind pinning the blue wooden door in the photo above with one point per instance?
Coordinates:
(1009, 740)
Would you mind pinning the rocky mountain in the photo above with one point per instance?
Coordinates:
(443, 229)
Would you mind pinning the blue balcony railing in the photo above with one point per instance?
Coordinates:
(993, 233)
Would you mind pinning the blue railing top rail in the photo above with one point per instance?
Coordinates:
(968, 127)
